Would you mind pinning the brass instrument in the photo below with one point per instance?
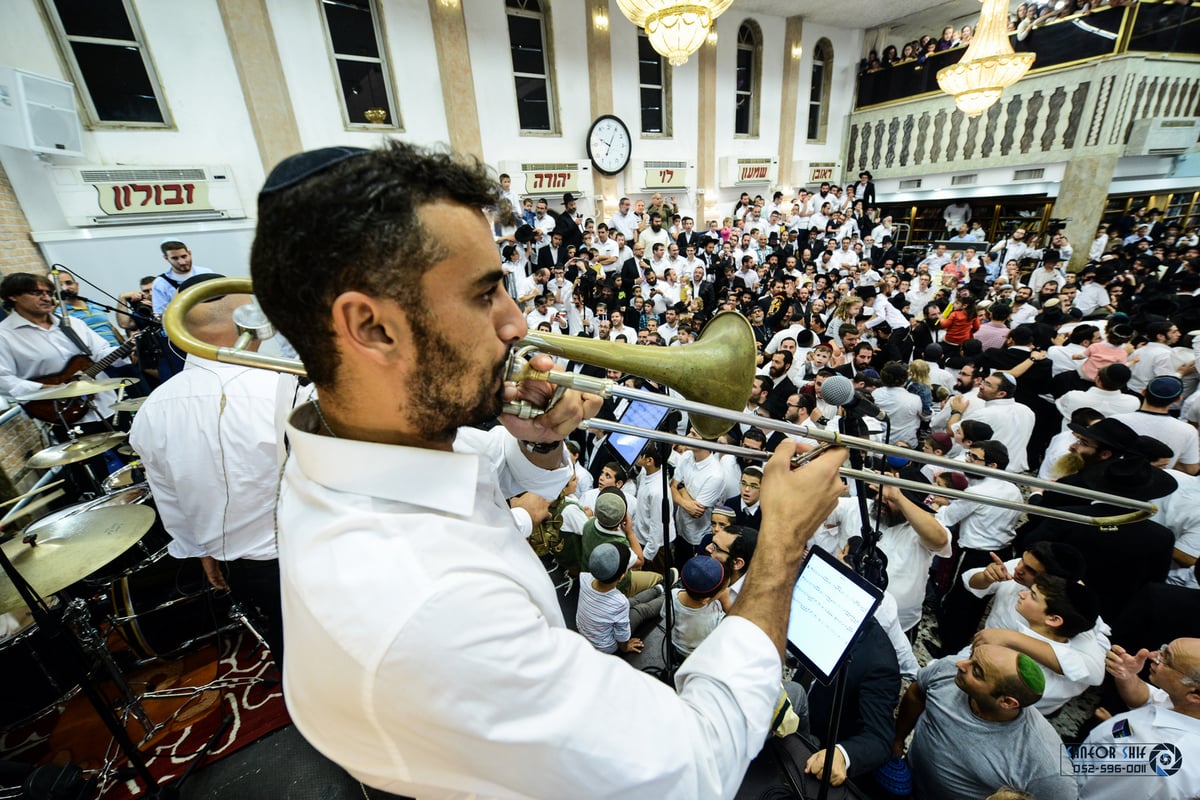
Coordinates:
(718, 369)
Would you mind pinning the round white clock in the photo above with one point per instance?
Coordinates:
(609, 144)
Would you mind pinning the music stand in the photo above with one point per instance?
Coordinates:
(831, 606)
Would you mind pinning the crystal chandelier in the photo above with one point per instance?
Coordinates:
(675, 30)
(988, 67)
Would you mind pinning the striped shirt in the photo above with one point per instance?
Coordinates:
(602, 617)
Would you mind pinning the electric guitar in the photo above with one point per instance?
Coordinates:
(71, 409)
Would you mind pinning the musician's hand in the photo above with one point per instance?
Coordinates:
(212, 571)
(566, 414)
(816, 766)
(799, 500)
(535, 505)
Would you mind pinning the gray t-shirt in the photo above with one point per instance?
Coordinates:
(955, 755)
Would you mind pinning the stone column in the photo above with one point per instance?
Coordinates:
(791, 93)
(600, 94)
(458, 87)
(706, 142)
(1082, 196)
(252, 43)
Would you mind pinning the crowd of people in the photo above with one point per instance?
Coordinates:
(1021, 22)
(991, 355)
(427, 651)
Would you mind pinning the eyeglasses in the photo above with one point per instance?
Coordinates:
(748, 485)
(39, 293)
(974, 458)
(1162, 657)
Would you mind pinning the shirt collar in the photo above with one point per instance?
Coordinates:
(434, 479)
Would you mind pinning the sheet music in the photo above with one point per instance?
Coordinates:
(827, 610)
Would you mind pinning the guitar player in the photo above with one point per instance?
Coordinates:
(33, 343)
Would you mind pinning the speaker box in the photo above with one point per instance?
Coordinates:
(38, 114)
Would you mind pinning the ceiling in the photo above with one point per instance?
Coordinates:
(862, 13)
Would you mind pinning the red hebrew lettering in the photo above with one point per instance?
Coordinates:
(177, 200)
(537, 180)
(188, 188)
(143, 187)
(666, 175)
(117, 197)
(158, 194)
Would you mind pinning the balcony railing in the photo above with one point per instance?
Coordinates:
(1143, 27)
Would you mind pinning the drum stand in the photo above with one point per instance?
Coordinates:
(79, 664)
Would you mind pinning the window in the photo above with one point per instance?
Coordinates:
(356, 47)
(103, 46)
(531, 65)
(818, 105)
(654, 85)
(749, 72)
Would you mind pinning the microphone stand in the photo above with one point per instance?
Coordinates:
(128, 311)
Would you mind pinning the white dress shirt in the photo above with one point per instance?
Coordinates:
(647, 514)
(1012, 424)
(1153, 360)
(1155, 722)
(28, 350)
(427, 654)
(208, 443)
(908, 569)
(904, 412)
(982, 526)
(1107, 402)
(705, 483)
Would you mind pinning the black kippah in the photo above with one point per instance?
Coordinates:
(302, 166)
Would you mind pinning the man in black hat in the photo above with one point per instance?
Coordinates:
(567, 223)
(1120, 561)
(865, 188)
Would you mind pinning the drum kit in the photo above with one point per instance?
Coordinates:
(111, 589)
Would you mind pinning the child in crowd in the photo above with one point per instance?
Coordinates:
(694, 602)
(605, 617)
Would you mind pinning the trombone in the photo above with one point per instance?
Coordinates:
(717, 369)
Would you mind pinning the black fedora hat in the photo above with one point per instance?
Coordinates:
(1111, 434)
(1131, 477)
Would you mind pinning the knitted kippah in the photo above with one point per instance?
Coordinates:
(1031, 674)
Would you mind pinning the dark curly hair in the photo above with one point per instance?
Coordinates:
(354, 226)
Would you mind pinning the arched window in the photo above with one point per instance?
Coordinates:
(528, 38)
(818, 98)
(749, 79)
(654, 86)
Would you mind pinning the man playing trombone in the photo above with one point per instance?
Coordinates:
(426, 652)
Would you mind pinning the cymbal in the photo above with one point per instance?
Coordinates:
(82, 448)
(129, 404)
(127, 450)
(77, 389)
(72, 548)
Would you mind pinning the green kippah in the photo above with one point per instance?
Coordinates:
(1031, 674)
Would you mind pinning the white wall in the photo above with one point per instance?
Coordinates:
(846, 44)
(312, 81)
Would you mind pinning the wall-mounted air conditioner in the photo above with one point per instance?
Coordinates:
(125, 195)
(749, 171)
(38, 114)
(1162, 136)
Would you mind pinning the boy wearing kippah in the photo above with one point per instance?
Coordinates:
(604, 616)
(1060, 633)
(696, 613)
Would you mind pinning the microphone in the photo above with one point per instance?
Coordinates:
(838, 390)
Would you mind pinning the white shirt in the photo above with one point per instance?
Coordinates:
(1107, 402)
(1012, 424)
(1180, 511)
(1091, 295)
(647, 514)
(427, 653)
(982, 526)
(706, 485)
(904, 411)
(1155, 722)
(28, 349)
(908, 569)
(1175, 434)
(626, 223)
(842, 523)
(208, 442)
(1153, 359)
